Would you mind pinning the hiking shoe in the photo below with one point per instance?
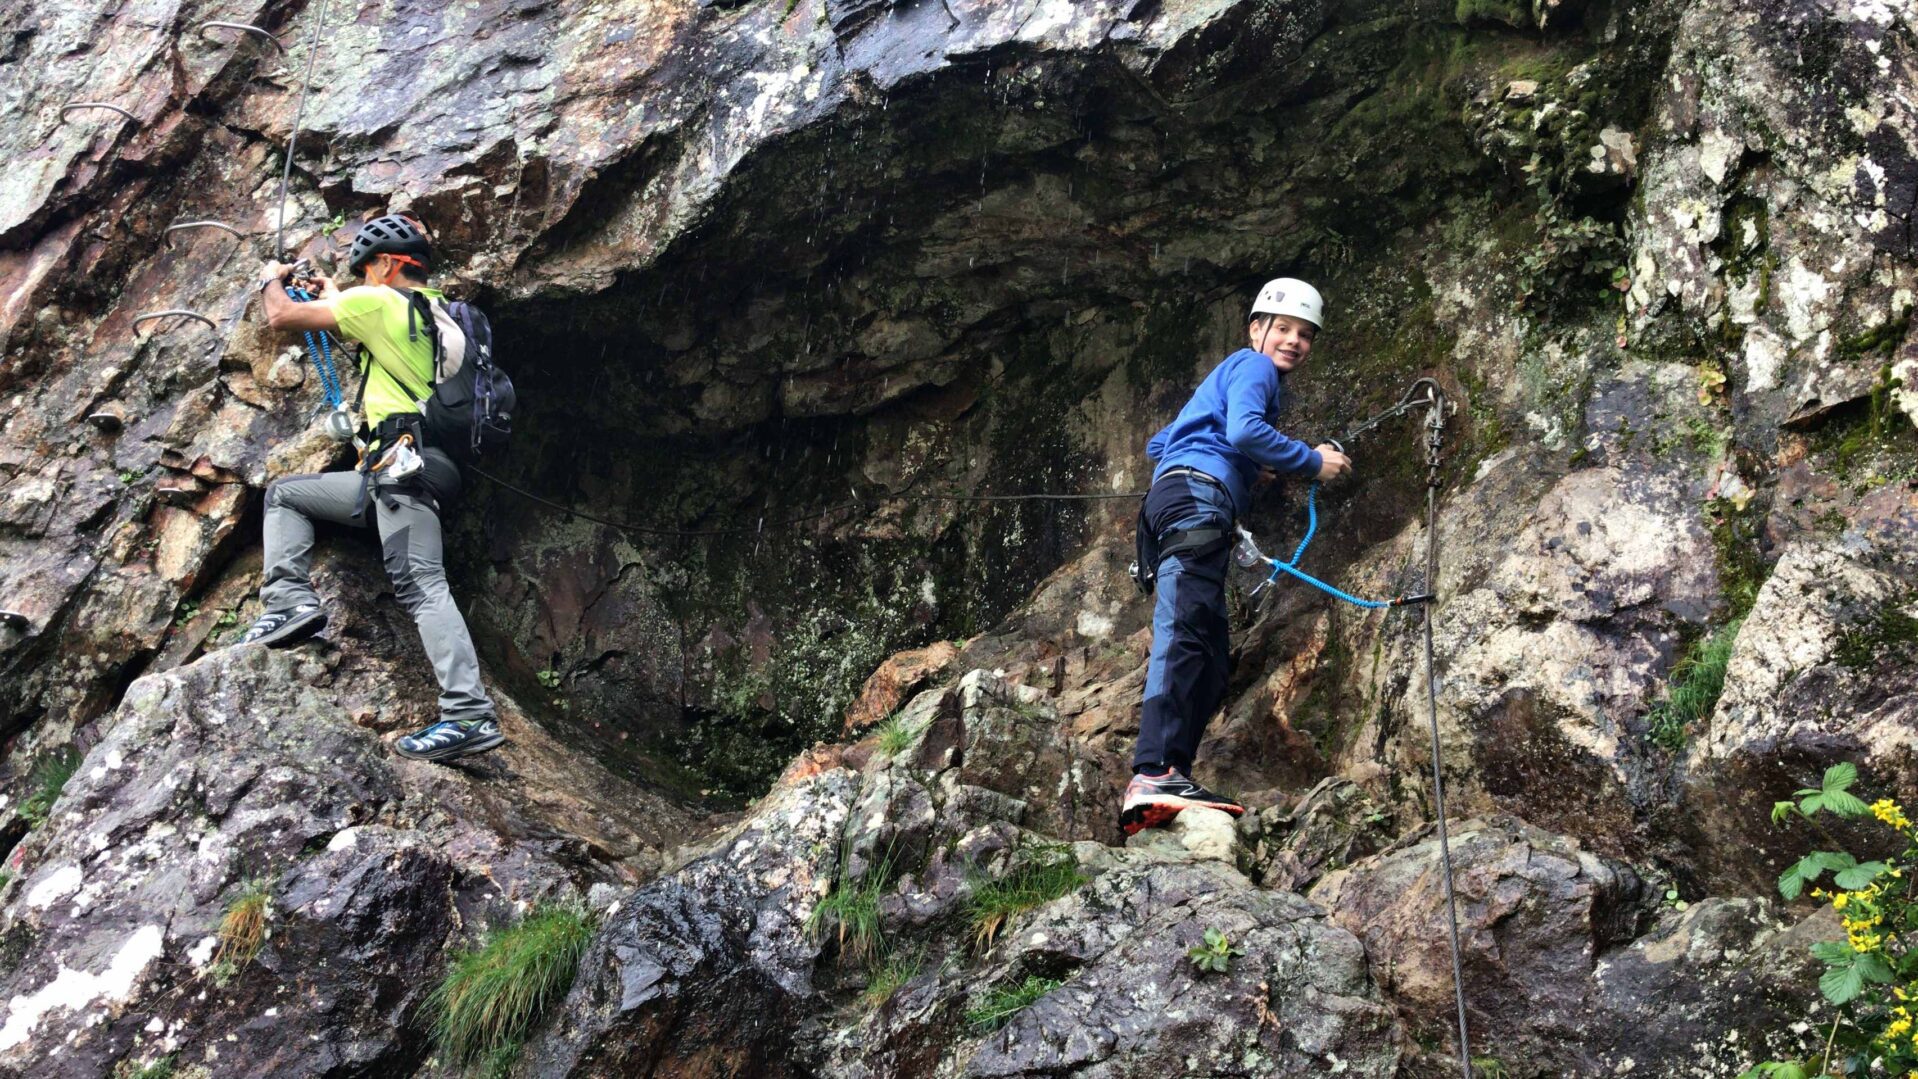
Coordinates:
(1152, 801)
(450, 738)
(284, 629)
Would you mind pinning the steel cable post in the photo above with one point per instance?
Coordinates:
(293, 137)
(1434, 445)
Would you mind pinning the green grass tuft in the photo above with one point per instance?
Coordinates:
(48, 778)
(896, 735)
(1698, 680)
(242, 929)
(1039, 875)
(494, 994)
(1004, 1002)
(852, 909)
(898, 968)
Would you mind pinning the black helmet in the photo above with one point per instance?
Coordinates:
(389, 235)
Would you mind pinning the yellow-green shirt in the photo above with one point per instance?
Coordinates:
(375, 316)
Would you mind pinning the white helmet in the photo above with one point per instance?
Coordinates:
(1290, 296)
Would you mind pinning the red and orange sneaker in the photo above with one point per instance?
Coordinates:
(1151, 801)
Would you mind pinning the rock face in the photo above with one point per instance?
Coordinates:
(715, 967)
(794, 291)
(268, 767)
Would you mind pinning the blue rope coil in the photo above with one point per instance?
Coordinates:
(321, 353)
(1292, 566)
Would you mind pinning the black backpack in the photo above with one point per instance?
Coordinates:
(469, 410)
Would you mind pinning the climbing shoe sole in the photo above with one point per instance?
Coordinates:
(1136, 819)
(1159, 811)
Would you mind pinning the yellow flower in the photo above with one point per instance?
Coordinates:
(1838, 901)
(1897, 1027)
(1890, 812)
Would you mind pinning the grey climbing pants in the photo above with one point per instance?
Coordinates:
(410, 541)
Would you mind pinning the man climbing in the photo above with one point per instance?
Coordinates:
(1207, 461)
(393, 257)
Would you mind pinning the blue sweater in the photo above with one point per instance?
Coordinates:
(1225, 433)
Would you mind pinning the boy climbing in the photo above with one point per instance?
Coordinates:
(405, 492)
(1207, 461)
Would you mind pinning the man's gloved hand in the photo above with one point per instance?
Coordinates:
(1334, 464)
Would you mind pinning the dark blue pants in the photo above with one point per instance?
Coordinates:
(1191, 638)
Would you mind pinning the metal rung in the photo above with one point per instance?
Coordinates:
(180, 311)
(221, 225)
(243, 27)
(16, 620)
(72, 105)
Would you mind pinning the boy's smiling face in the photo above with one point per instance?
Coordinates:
(1285, 340)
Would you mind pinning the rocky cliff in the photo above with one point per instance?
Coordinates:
(792, 290)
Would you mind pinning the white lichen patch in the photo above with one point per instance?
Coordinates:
(76, 990)
(59, 884)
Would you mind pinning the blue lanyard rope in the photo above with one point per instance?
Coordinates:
(1292, 566)
(321, 353)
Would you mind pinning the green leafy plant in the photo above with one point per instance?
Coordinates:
(157, 1068)
(47, 779)
(129, 477)
(1872, 975)
(549, 678)
(1039, 875)
(1003, 1002)
(1673, 901)
(1215, 955)
(1490, 1068)
(851, 910)
(493, 995)
(186, 613)
(1698, 680)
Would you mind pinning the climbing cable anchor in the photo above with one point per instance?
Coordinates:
(1428, 394)
(177, 312)
(15, 620)
(73, 106)
(185, 225)
(293, 136)
(242, 27)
